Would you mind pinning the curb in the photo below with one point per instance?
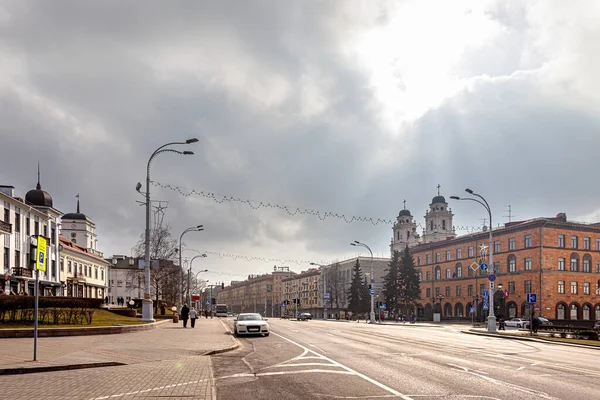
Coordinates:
(52, 368)
(84, 331)
(530, 339)
(236, 342)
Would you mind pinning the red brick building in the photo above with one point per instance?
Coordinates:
(557, 259)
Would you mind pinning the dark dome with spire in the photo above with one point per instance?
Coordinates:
(404, 213)
(37, 197)
(438, 199)
(77, 215)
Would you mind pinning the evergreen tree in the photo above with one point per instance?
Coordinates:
(366, 297)
(410, 287)
(355, 293)
(391, 287)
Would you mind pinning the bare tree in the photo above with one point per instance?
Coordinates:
(335, 286)
(165, 279)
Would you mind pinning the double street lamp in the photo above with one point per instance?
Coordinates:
(372, 279)
(189, 279)
(492, 318)
(197, 228)
(147, 302)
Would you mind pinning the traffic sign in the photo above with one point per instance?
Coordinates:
(483, 266)
(207, 302)
(531, 297)
(474, 266)
(371, 292)
(485, 293)
(472, 310)
(283, 304)
(326, 297)
(384, 306)
(372, 280)
(492, 277)
(485, 307)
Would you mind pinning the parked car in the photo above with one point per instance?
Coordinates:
(518, 322)
(305, 316)
(250, 324)
(597, 325)
(544, 321)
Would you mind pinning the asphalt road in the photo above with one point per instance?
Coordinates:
(320, 360)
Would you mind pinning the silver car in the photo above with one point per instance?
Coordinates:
(518, 322)
(250, 324)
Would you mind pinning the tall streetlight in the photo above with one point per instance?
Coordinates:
(372, 277)
(197, 228)
(484, 203)
(324, 287)
(189, 283)
(147, 302)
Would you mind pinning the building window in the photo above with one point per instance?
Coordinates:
(438, 257)
(419, 260)
(7, 215)
(62, 266)
(128, 284)
(428, 275)
(470, 251)
(573, 287)
(527, 286)
(586, 243)
(69, 267)
(481, 288)
(528, 264)
(448, 273)
(598, 267)
(561, 287)
(17, 223)
(428, 258)
(574, 263)
(448, 255)
(587, 264)
(17, 258)
(420, 275)
(119, 283)
(102, 273)
(96, 273)
(36, 228)
(470, 290)
(586, 288)
(458, 254)
(598, 290)
(458, 290)
(573, 242)
(511, 244)
(458, 270)
(527, 241)
(448, 291)
(497, 246)
(496, 267)
(598, 244)
(512, 264)
(437, 292)
(428, 292)
(511, 287)
(561, 264)
(27, 227)
(561, 241)
(53, 234)
(438, 273)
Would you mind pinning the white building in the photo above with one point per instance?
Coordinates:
(22, 219)
(125, 279)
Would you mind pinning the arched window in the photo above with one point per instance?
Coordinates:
(469, 271)
(586, 311)
(574, 311)
(511, 263)
(438, 273)
(420, 276)
(574, 262)
(458, 310)
(444, 224)
(597, 309)
(587, 263)
(431, 226)
(447, 310)
(512, 310)
(458, 270)
(448, 273)
(428, 275)
(560, 311)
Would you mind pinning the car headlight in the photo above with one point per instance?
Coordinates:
(241, 326)
(264, 326)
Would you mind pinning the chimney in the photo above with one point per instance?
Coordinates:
(7, 190)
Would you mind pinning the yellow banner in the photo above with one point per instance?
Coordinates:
(40, 260)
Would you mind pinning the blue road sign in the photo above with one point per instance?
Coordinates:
(207, 302)
(384, 306)
(492, 277)
(531, 297)
(371, 292)
(372, 280)
(485, 307)
(326, 297)
(283, 304)
(483, 266)
(472, 310)
(485, 293)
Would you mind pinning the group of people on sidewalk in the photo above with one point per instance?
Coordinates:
(191, 314)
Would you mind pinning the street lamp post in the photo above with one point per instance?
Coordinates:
(485, 204)
(189, 283)
(324, 288)
(147, 302)
(372, 315)
(198, 228)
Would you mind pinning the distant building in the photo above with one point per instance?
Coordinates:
(125, 279)
(83, 272)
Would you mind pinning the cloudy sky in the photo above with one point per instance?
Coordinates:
(342, 106)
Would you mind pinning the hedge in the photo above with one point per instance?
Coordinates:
(52, 310)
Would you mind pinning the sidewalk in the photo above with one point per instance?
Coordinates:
(167, 361)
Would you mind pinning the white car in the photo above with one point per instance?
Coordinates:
(250, 324)
(518, 322)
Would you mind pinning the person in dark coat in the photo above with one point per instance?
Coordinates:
(185, 314)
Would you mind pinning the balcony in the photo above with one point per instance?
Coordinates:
(25, 272)
(5, 228)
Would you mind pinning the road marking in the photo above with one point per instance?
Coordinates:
(350, 370)
(308, 371)
(148, 390)
(499, 382)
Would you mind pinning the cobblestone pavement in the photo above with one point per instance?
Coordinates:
(166, 362)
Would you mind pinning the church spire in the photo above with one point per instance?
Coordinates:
(77, 203)
(38, 186)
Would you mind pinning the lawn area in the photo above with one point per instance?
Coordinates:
(101, 318)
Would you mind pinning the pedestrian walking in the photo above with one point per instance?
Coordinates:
(193, 316)
(185, 314)
(502, 326)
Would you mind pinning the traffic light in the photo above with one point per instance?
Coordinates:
(380, 304)
(214, 301)
(370, 286)
(294, 301)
